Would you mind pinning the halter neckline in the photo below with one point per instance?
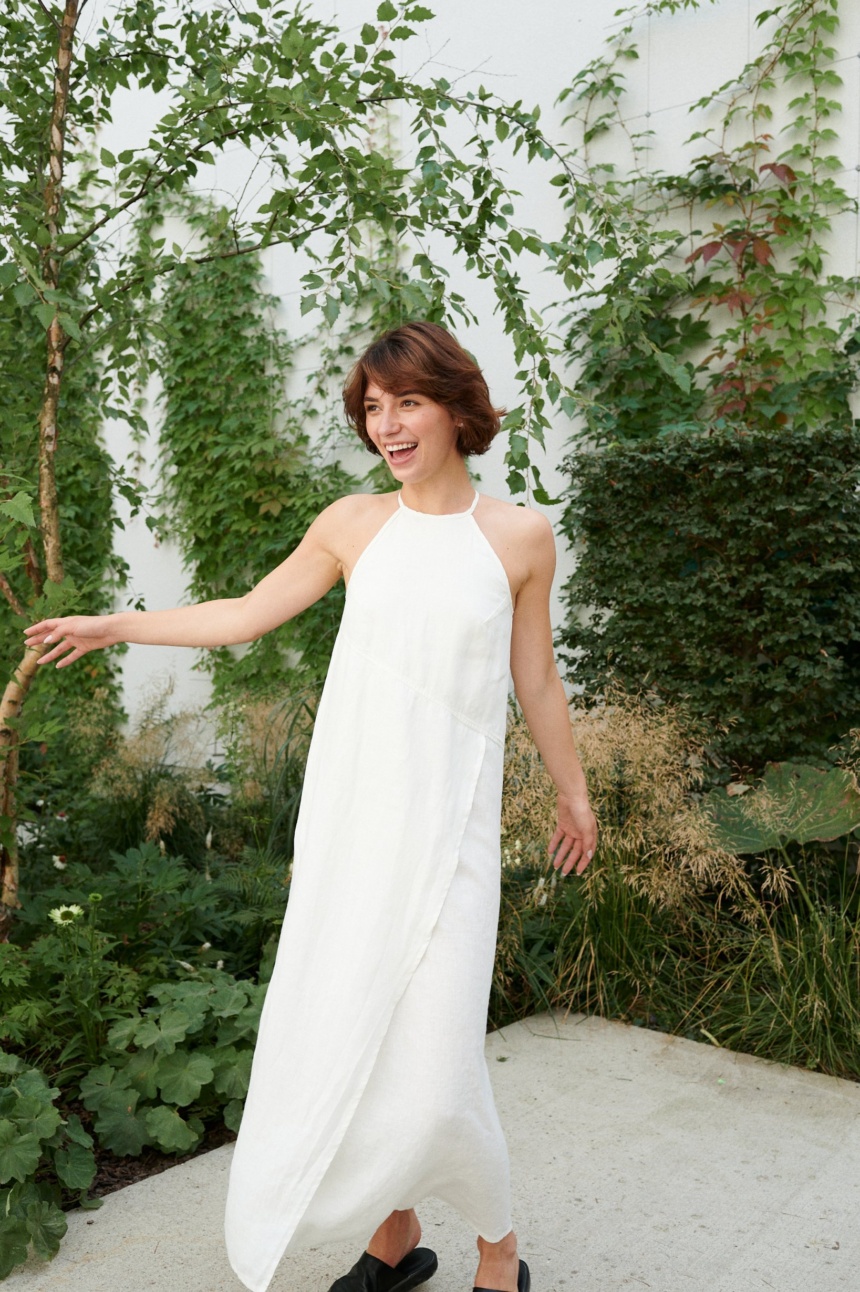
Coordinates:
(444, 515)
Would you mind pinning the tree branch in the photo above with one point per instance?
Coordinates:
(46, 11)
(8, 593)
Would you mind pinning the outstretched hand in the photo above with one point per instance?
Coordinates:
(575, 838)
(74, 635)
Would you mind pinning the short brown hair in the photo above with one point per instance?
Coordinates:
(426, 358)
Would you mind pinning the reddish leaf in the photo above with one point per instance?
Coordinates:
(762, 251)
(707, 252)
(783, 173)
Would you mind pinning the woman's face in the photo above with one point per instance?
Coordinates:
(414, 434)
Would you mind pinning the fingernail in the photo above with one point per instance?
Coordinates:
(49, 639)
(590, 854)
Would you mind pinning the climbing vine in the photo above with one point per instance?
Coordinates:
(707, 570)
(734, 290)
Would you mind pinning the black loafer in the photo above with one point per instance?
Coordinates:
(370, 1274)
(524, 1281)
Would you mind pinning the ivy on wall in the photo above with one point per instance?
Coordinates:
(240, 483)
(712, 500)
(734, 284)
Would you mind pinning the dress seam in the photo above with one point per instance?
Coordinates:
(433, 699)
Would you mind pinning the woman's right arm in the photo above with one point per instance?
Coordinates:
(305, 576)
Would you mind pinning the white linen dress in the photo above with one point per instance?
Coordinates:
(369, 1088)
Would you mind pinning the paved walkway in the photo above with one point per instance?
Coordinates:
(640, 1161)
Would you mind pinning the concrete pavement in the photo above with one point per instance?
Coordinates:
(639, 1161)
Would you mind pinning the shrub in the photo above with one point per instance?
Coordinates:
(44, 1157)
(717, 572)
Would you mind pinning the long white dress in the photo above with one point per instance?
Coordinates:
(369, 1088)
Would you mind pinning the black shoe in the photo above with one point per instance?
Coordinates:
(370, 1274)
(524, 1281)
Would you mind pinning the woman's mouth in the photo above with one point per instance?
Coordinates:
(402, 451)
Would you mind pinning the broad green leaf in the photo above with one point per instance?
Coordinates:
(46, 1226)
(233, 1114)
(14, 1242)
(170, 1131)
(165, 1033)
(182, 1075)
(233, 1072)
(75, 1166)
(792, 801)
(99, 1083)
(386, 12)
(117, 1124)
(19, 1153)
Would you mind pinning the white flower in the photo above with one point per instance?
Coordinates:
(204, 946)
(209, 838)
(219, 964)
(65, 914)
(186, 965)
(162, 847)
(58, 862)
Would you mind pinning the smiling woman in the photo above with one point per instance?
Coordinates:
(423, 359)
(369, 1089)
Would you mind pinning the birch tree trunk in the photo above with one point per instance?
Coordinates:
(56, 340)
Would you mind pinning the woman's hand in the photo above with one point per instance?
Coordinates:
(575, 838)
(74, 635)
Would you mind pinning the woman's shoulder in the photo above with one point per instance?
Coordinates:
(524, 521)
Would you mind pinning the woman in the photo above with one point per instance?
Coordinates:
(369, 1088)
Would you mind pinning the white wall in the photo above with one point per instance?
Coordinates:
(521, 51)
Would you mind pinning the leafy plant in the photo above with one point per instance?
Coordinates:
(190, 1058)
(716, 570)
(289, 87)
(791, 802)
(43, 1157)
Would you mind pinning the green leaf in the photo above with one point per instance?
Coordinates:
(163, 1035)
(107, 158)
(386, 12)
(10, 1063)
(233, 1072)
(46, 1226)
(19, 508)
(677, 371)
(19, 1153)
(170, 1131)
(9, 274)
(118, 1126)
(793, 801)
(233, 1114)
(101, 1082)
(369, 34)
(45, 313)
(182, 1075)
(75, 1166)
(14, 1242)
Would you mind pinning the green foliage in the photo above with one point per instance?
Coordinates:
(85, 477)
(717, 571)
(240, 481)
(726, 328)
(174, 1064)
(734, 290)
(792, 802)
(35, 1139)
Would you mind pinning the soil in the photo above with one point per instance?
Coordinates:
(116, 1172)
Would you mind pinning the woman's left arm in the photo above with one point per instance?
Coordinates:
(542, 698)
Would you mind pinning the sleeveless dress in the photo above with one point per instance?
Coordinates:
(369, 1087)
